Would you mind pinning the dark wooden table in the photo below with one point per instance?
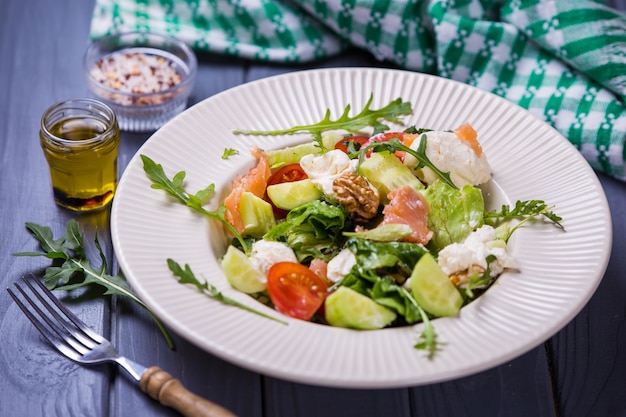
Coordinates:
(581, 371)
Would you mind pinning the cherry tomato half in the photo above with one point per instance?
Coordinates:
(286, 173)
(357, 142)
(295, 290)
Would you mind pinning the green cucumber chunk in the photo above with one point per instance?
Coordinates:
(385, 172)
(350, 309)
(289, 195)
(293, 154)
(240, 273)
(385, 233)
(257, 215)
(433, 290)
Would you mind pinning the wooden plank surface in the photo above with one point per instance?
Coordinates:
(35, 382)
(589, 354)
(41, 46)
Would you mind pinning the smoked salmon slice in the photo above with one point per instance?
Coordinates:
(468, 134)
(408, 206)
(255, 181)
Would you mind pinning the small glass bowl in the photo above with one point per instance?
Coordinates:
(146, 78)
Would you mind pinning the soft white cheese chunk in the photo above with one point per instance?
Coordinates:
(469, 258)
(265, 253)
(340, 265)
(451, 154)
(324, 169)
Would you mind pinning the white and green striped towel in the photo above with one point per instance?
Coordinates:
(565, 61)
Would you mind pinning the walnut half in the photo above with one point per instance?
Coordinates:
(355, 194)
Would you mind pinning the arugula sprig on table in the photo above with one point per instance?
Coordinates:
(71, 268)
(366, 118)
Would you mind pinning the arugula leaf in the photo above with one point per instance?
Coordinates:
(228, 152)
(186, 276)
(175, 188)
(366, 118)
(72, 269)
(526, 210)
(53, 249)
(74, 241)
(428, 336)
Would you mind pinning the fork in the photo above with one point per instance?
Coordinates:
(73, 338)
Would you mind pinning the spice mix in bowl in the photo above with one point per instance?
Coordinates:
(145, 77)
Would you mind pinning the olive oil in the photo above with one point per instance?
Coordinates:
(81, 150)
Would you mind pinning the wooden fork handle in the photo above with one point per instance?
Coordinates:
(170, 392)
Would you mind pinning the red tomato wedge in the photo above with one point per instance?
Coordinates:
(286, 173)
(295, 290)
(357, 141)
(407, 206)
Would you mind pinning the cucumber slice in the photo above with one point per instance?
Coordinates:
(240, 272)
(256, 214)
(293, 154)
(433, 290)
(385, 172)
(386, 233)
(289, 195)
(348, 308)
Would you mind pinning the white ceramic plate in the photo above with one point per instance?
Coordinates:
(558, 270)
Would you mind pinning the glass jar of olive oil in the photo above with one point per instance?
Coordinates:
(80, 141)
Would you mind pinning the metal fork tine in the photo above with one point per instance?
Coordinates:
(58, 325)
(71, 316)
(53, 338)
(67, 332)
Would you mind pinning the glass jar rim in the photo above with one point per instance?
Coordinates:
(85, 107)
(142, 39)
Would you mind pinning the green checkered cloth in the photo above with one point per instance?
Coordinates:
(564, 61)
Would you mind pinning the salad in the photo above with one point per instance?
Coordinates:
(364, 230)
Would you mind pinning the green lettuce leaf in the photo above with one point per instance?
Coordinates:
(312, 229)
(399, 257)
(454, 213)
